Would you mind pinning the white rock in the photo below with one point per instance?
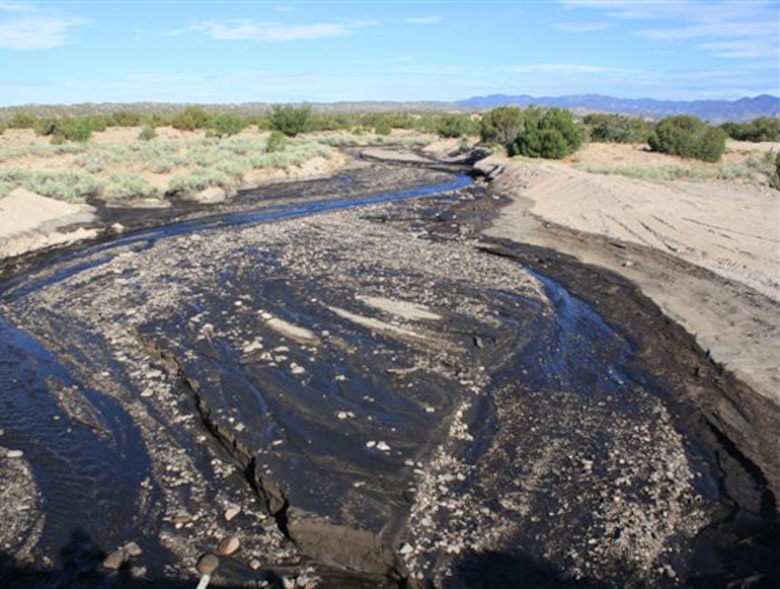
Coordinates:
(14, 454)
(383, 446)
(231, 512)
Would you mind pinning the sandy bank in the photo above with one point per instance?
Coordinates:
(707, 253)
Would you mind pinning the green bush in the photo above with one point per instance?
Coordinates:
(125, 118)
(502, 125)
(147, 133)
(191, 118)
(276, 142)
(761, 129)
(3, 127)
(227, 124)
(612, 128)
(291, 120)
(551, 133)
(774, 180)
(454, 126)
(127, 186)
(63, 130)
(689, 137)
(22, 120)
(383, 128)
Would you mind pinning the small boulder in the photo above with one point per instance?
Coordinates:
(228, 546)
(115, 560)
(207, 564)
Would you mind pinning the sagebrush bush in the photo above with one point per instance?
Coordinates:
(125, 186)
(276, 142)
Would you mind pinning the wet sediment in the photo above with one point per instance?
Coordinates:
(387, 401)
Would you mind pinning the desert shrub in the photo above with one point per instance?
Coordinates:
(502, 125)
(191, 118)
(227, 124)
(774, 180)
(3, 127)
(191, 182)
(126, 186)
(125, 118)
(760, 129)
(67, 186)
(290, 120)
(98, 123)
(655, 173)
(454, 126)
(550, 133)
(612, 128)
(22, 120)
(276, 142)
(147, 133)
(383, 128)
(689, 137)
(63, 130)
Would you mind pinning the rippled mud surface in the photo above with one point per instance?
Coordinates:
(362, 398)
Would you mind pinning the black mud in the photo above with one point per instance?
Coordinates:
(375, 396)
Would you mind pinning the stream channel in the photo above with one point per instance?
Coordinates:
(339, 376)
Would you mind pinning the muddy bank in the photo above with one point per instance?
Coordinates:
(368, 397)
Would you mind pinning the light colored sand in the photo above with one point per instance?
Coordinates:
(29, 221)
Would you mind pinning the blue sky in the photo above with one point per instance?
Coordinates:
(321, 51)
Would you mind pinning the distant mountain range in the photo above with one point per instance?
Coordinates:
(714, 111)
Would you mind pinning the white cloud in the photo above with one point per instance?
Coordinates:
(424, 20)
(749, 27)
(249, 30)
(17, 7)
(561, 68)
(37, 32)
(583, 27)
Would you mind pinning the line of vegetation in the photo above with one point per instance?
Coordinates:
(761, 129)
(287, 119)
(754, 169)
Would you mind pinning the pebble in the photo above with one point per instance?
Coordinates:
(14, 454)
(383, 446)
(207, 564)
(115, 560)
(342, 415)
(228, 546)
(405, 548)
(132, 550)
(255, 564)
(231, 512)
(296, 369)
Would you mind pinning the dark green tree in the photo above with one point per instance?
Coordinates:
(501, 125)
(228, 124)
(551, 133)
(191, 119)
(689, 137)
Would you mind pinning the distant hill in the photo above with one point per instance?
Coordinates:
(714, 111)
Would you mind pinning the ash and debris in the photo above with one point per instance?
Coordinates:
(599, 492)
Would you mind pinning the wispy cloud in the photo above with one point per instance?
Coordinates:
(17, 7)
(249, 30)
(740, 29)
(583, 27)
(424, 20)
(37, 32)
(560, 68)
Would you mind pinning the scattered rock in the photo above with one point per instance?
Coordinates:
(132, 550)
(255, 564)
(231, 512)
(228, 546)
(405, 549)
(115, 560)
(207, 564)
(14, 453)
